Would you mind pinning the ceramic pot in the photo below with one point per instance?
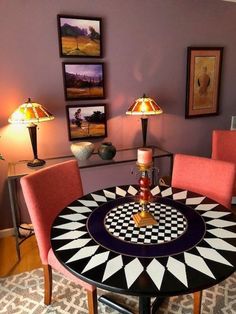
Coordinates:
(107, 150)
(82, 150)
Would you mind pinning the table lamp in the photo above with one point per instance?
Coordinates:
(31, 113)
(144, 106)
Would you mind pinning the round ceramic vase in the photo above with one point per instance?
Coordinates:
(106, 150)
(82, 150)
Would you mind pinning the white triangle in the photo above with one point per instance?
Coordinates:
(109, 194)
(80, 209)
(96, 260)
(112, 267)
(220, 223)
(212, 255)
(215, 214)
(75, 234)
(221, 233)
(99, 198)
(178, 269)
(89, 203)
(132, 190)
(132, 271)
(120, 191)
(198, 263)
(206, 207)
(75, 244)
(194, 200)
(73, 217)
(70, 225)
(156, 272)
(166, 192)
(155, 190)
(83, 253)
(180, 195)
(220, 244)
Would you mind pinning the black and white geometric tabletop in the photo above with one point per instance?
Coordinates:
(192, 247)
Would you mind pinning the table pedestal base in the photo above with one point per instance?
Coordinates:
(145, 306)
(114, 305)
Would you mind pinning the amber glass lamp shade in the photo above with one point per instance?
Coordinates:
(31, 113)
(144, 106)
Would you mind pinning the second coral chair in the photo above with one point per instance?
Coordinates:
(46, 193)
(212, 178)
(224, 147)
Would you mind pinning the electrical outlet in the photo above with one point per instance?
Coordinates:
(233, 123)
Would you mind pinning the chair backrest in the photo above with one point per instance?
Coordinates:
(46, 193)
(212, 178)
(224, 147)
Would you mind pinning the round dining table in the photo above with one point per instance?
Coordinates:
(191, 247)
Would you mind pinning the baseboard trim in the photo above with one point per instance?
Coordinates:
(6, 232)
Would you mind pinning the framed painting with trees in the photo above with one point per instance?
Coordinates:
(86, 121)
(83, 81)
(79, 36)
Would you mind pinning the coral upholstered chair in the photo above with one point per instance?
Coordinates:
(47, 192)
(224, 147)
(213, 178)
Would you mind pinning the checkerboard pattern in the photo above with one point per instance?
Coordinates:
(171, 224)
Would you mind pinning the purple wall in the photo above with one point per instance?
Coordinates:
(144, 51)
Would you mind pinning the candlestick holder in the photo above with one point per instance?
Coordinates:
(144, 218)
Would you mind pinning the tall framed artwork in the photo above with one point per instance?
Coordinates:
(83, 81)
(86, 121)
(203, 81)
(79, 36)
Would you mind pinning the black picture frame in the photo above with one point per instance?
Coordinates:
(79, 37)
(83, 81)
(86, 121)
(204, 65)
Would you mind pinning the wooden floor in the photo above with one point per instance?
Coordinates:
(9, 264)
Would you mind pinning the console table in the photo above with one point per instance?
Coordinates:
(16, 170)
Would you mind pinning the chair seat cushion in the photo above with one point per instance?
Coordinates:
(55, 264)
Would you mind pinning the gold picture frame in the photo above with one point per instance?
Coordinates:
(203, 81)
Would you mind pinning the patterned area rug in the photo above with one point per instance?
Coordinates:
(23, 293)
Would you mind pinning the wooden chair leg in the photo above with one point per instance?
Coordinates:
(47, 270)
(92, 301)
(197, 296)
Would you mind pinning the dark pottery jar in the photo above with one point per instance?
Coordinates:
(106, 150)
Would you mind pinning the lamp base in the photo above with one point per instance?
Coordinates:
(143, 219)
(36, 163)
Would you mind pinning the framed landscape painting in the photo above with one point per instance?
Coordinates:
(203, 81)
(83, 81)
(79, 36)
(86, 121)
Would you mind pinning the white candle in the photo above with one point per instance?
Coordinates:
(144, 156)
